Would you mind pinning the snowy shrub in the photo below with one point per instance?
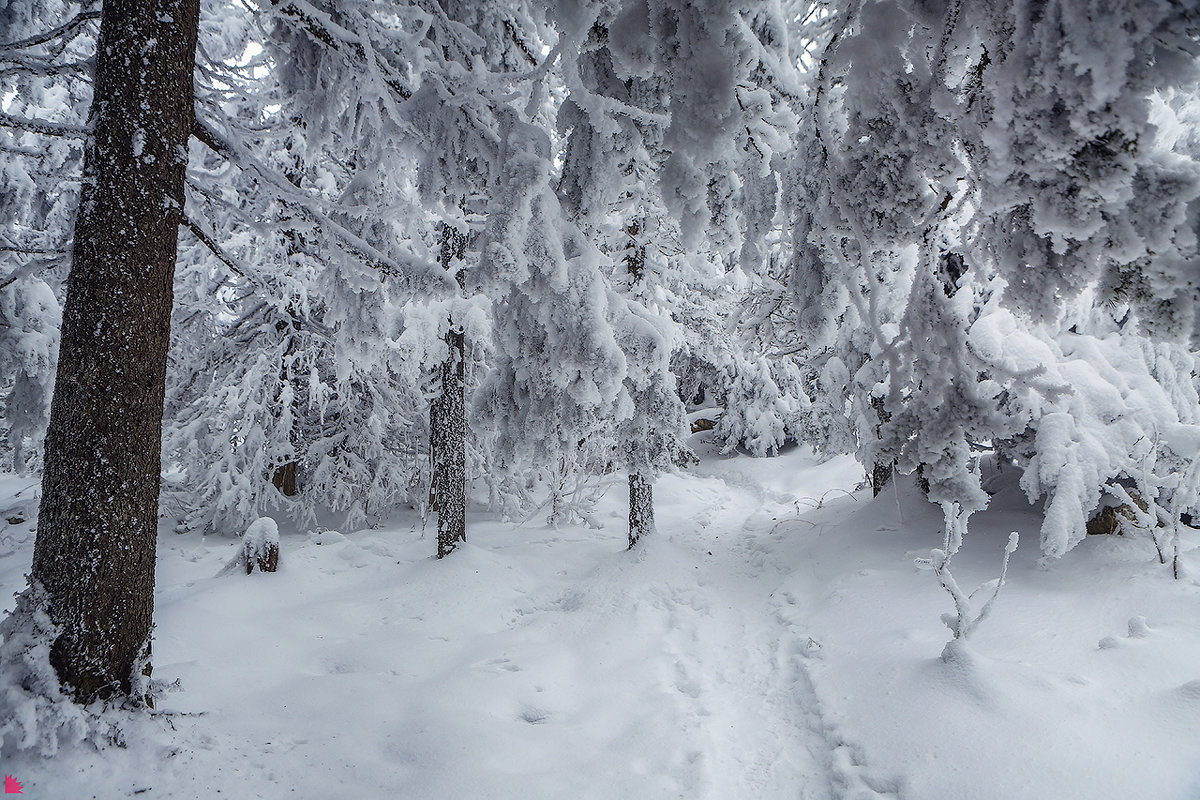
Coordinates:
(35, 713)
(764, 406)
(1102, 410)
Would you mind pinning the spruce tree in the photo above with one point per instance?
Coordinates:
(93, 565)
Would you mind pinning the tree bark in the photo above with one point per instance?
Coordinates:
(641, 507)
(285, 476)
(881, 476)
(641, 485)
(882, 472)
(94, 553)
(448, 423)
(284, 479)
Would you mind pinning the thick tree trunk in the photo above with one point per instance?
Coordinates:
(881, 476)
(448, 423)
(94, 554)
(284, 479)
(641, 507)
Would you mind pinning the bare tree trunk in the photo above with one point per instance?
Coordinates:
(448, 423)
(881, 476)
(882, 472)
(641, 507)
(641, 485)
(94, 555)
(284, 479)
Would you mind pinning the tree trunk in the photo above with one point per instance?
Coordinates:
(641, 507)
(449, 429)
(285, 476)
(881, 476)
(881, 471)
(448, 423)
(284, 479)
(641, 485)
(94, 554)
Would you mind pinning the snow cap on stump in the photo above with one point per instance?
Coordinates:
(260, 546)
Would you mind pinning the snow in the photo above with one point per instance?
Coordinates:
(260, 547)
(774, 639)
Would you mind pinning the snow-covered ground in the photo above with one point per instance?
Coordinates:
(775, 640)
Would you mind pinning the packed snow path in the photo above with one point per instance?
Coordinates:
(533, 663)
(774, 639)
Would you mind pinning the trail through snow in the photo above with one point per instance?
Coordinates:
(773, 640)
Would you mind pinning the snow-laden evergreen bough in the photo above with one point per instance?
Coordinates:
(44, 90)
(558, 379)
(987, 198)
(317, 391)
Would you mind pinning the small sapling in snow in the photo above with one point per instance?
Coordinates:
(964, 621)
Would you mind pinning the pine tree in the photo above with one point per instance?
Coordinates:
(45, 82)
(93, 564)
(967, 198)
(289, 371)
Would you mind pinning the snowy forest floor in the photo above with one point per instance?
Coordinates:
(775, 639)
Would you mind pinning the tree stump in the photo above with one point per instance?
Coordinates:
(260, 546)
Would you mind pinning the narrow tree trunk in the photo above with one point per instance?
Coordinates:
(285, 476)
(882, 471)
(449, 420)
(641, 507)
(94, 554)
(448, 423)
(641, 485)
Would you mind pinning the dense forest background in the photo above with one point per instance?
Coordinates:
(459, 256)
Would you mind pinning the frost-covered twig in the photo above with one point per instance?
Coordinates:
(66, 31)
(964, 621)
(43, 126)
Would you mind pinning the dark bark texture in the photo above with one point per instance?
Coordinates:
(284, 479)
(448, 423)
(641, 507)
(641, 486)
(882, 471)
(881, 476)
(94, 553)
(263, 559)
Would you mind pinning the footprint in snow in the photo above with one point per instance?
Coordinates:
(534, 715)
